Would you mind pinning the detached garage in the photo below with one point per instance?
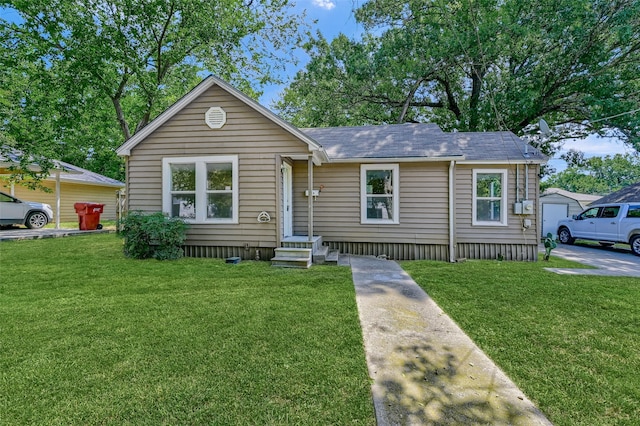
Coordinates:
(557, 204)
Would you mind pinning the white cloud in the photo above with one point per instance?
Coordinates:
(324, 4)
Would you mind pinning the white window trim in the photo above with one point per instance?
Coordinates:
(201, 187)
(395, 184)
(503, 198)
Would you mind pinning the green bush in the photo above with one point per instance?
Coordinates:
(152, 236)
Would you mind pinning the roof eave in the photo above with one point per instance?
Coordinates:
(125, 149)
(396, 159)
(507, 162)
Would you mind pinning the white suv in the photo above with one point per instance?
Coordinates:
(16, 212)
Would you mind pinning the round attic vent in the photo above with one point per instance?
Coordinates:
(215, 117)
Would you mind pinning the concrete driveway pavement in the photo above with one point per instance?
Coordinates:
(13, 234)
(608, 260)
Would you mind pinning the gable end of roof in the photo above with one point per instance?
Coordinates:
(208, 82)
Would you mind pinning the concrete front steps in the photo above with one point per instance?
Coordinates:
(292, 257)
(300, 252)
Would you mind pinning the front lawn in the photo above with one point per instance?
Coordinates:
(90, 337)
(570, 342)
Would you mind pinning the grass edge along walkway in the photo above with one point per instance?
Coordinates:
(570, 342)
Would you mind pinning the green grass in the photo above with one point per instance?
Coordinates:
(90, 337)
(106, 224)
(570, 342)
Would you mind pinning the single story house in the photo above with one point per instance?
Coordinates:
(628, 194)
(67, 184)
(249, 182)
(557, 204)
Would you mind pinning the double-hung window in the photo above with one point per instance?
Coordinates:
(490, 197)
(201, 189)
(379, 199)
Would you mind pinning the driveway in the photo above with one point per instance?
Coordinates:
(608, 260)
(9, 234)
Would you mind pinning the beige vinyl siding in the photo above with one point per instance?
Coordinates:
(512, 233)
(70, 193)
(423, 191)
(256, 141)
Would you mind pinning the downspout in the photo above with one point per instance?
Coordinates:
(126, 184)
(452, 218)
(517, 183)
(57, 198)
(526, 181)
(310, 198)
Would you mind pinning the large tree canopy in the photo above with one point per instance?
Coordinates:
(474, 65)
(597, 175)
(97, 71)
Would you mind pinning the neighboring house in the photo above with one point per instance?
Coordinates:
(629, 194)
(557, 204)
(76, 185)
(249, 182)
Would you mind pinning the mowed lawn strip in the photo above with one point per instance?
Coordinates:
(570, 342)
(90, 337)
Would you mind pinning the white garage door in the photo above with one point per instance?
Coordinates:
(551, 214)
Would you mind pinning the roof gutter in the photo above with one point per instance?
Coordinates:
(509, 162)
(395, 159)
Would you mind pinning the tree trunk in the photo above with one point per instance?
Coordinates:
(477, 74)
(121, 119)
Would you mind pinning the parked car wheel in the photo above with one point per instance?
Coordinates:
(565, 236)
(635, 245)
(36, 220)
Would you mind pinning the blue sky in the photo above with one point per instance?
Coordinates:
(329, 17)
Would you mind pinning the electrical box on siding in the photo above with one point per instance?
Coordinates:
(527, 207)
(517, 208)
(523, 207)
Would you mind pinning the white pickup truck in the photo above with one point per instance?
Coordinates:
(606, 223)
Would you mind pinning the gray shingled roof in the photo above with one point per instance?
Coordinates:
(629, 194)
(420, 140)
(71, 173)
(583, 199)
(68, 172)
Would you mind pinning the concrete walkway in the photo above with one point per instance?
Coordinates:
(425, 369)
(608, 261)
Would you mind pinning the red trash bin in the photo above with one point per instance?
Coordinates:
(88, 215)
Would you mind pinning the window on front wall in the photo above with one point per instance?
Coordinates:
(379, 193)
(490, 197)
(201, 189)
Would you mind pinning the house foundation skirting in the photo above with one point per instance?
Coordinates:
(223, 252)
(520, 252)
(408, 251)
(395, 251)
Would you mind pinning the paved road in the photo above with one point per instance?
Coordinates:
(609, 261)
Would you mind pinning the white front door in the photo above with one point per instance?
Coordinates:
(287, 200)
(551, 214)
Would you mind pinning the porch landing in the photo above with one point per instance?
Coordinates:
(300, 251)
